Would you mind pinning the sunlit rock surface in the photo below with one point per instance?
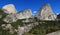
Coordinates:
(26, 28)
(27, 13)
(10, 18)
(54, 33)
(46, 13)
(9, 9)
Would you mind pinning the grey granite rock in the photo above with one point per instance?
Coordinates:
(54, 33)
(46, 13)
(25, 14)
(9, 8)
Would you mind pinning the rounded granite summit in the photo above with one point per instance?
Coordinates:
(9, 8)
(46, 13)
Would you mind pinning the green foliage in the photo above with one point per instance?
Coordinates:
(2, 13)
(4, 32)
(19, 22)
(2, 22)
(45, 28)
(15, 24)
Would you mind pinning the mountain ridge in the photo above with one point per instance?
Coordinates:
(24, 22)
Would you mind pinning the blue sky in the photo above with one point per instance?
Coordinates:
(34, 5)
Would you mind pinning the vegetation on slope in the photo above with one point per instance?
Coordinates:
(43, 28)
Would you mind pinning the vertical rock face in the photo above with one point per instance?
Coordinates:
(46, 13)
(24, 14)
(9, 9)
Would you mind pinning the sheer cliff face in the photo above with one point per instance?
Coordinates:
(13, 15)
(9, 9)
(46, 13)
(24, 14)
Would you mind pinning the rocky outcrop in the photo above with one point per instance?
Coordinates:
(9, 27)
(9, 9)
(54, 33)
(46, 13)
(27, 13)
(10, 18)
(26, 28)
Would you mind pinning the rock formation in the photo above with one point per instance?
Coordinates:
(54, 33)
(9, 9)
(27, 22)
(26, 28)
(46, 13)
(25, 14)
(10, 18)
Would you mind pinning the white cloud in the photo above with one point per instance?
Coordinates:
(57, 13)
(35, 12)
